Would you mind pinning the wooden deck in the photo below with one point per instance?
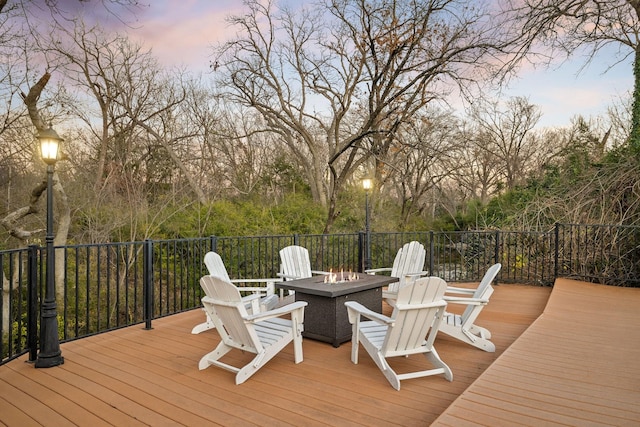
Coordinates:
(577, 365)
(135, 377)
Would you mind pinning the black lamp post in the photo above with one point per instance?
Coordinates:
(50, 354)
(367, 184)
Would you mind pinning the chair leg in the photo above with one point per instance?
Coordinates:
(297, 349)
(261, 359)
(203, 326)
(485, 345)
(466, 336)
(252, 367)
(297, 328)
(355, 344)
(215, 355)
(435, 360)
(478, 341)
(382, 363)
(389, 373)
(480, 331)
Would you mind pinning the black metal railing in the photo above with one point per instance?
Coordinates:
(19, 308)
(607, 254)
(106, 286)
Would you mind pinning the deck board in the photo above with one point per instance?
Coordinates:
(575, 365)
(134, 376)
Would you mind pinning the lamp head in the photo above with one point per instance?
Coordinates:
(367, 184)
(49, 145)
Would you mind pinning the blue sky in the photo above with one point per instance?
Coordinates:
(181, 32)
(565, 90)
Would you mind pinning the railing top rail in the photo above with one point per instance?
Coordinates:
(168, 270)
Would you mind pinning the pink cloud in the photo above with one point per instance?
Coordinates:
(178, 32)
(562, 94)
(182, 33)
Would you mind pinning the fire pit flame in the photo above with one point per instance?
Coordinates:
(335, 278)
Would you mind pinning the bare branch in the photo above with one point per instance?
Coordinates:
(31, 101)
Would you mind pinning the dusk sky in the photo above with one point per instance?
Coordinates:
(181, 32)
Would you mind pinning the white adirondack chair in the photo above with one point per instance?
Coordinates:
(216, 267)
(295, 264)
(462, 326)
(262, 297)
(408, 265)
(488, 277)
(417, 314)
(264, 334)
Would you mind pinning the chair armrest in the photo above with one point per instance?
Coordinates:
(456, 290)
(386, 295)
(252, 302)
(254, 289)
(250, 298)
(355, 308)
(287, 276)
(377, 270)
(268, 288)
(466, 301)
(418, 274)
(412, 276)
(320, 272)
(286, 309)
(255, 280)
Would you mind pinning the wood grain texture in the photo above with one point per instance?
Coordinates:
(134, 376)
(576, 365)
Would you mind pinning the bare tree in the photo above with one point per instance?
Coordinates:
(270, 68)
(570, 26)
(420, 161)
(19, 38)
(476, 171)
(619, 121)
(568, 181)
(239, 152)
(133, 100)
(336, 81)
(506, 132)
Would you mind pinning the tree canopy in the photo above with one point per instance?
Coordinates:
(563, 27)
(304, 102)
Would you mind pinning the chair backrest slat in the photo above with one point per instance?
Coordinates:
(413, 324)
(409, 259)
(215, 266)
(482, 292)
(472, 312)
(295, 261)
(229, 309)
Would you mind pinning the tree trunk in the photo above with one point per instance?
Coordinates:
(64, 212)
(61, 234)
(6, 297)
(634, 135)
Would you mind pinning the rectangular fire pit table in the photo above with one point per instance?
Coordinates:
(325, 316)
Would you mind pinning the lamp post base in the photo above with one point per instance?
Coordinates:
(49, 361)
(50, 354)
